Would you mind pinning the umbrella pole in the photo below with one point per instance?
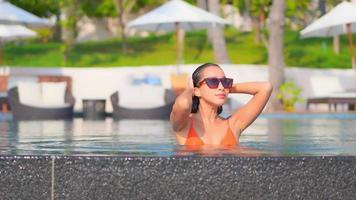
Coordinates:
(179, 46)
(352, 49)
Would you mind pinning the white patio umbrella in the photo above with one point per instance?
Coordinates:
(177, 15)
(13, 32)
(13, 15)
(340, 20)
(10, 14)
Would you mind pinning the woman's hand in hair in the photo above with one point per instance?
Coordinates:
(261, 92)
(182, 107)
(190, 85)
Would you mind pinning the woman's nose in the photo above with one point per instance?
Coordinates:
(220, 86)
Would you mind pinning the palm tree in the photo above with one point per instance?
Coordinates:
(216, 34)
(275, 51)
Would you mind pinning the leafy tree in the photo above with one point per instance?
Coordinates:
(98, 8)
(150, 4)
(125, 7)
(296, 12)
(259, 11)
(42, 8)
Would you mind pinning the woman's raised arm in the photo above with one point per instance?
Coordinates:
(261, 92)
(182, 108)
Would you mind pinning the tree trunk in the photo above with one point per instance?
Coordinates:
(123, 7)
(257, 26)
(203, 4)
(275, 51)
(247, 18)
(69, 19)
(69, 26)
(122, 24)
(322, 7)
(217, 35)
(57, 36)
(260, 26)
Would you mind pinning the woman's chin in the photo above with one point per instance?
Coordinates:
(217, 101)
(220, 102)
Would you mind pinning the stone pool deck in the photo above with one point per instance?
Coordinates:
(181, 177)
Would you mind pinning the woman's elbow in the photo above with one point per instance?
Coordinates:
(267, 86)
(183, 104)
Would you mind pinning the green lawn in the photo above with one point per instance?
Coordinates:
(160, 50)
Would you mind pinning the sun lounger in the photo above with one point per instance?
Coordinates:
(328, 90)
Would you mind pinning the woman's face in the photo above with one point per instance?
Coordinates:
(216, 96)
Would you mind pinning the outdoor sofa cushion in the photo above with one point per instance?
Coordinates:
(143, 96)
(53, 93)
(29, 93)
(43, 95)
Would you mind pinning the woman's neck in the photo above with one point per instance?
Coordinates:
(208, 112)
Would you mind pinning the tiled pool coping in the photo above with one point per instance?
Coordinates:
(183, 177)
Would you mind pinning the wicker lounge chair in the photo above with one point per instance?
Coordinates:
(161, 112)
(23, 111)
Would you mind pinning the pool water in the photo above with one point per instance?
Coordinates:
(270, 134)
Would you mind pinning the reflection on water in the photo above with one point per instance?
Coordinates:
(266, 136)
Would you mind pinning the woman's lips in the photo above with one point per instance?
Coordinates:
(221, 96)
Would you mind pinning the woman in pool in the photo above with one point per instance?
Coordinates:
(195, 114)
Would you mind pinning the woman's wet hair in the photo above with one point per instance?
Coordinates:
(196, 76)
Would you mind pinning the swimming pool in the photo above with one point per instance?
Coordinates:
(284, 156)
(270, 134)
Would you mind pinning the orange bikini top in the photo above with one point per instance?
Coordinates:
(194, 139)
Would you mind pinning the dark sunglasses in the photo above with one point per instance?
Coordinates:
(213, 83)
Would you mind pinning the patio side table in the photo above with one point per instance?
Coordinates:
(94, 108)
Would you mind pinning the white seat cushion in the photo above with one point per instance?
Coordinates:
(53, 94)
(43, 95)
(343, 94)
(325, 85)
(29, 93)
(51, 106)
(144, 96)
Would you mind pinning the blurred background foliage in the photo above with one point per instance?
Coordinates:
(244, 47)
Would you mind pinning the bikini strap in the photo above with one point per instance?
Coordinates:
(191, 126)
(192, 122)
(229, 128)
(228, 124)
